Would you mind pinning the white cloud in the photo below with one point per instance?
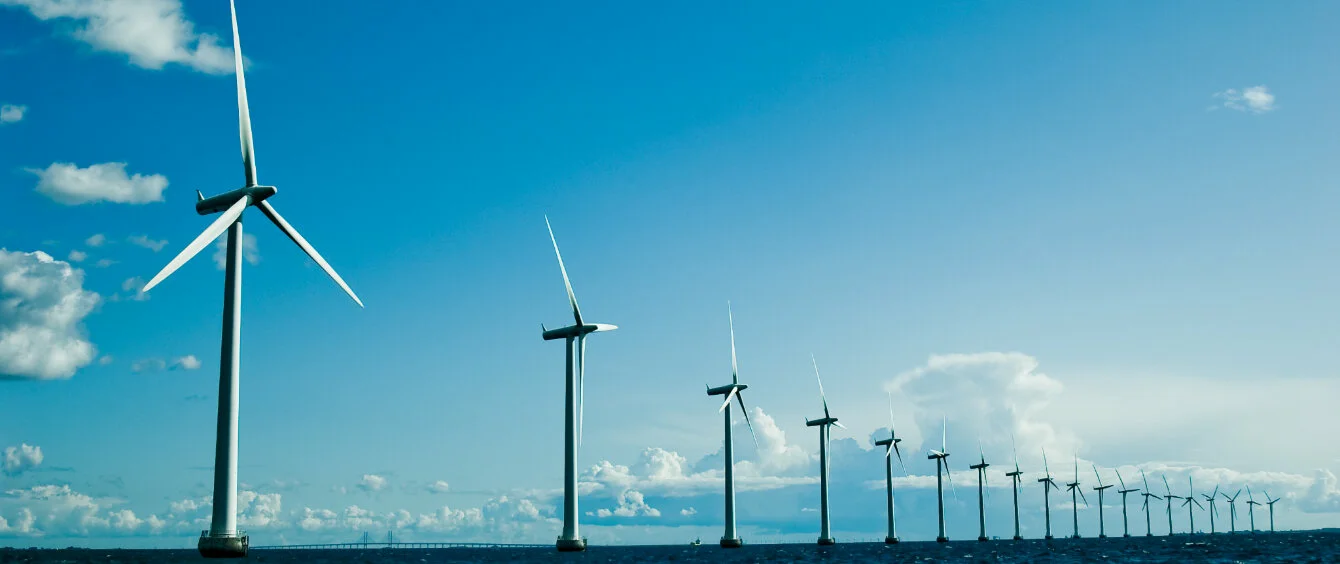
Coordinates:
(105, 360)
(77, 256)
(11, 113)
(250, 253)
(104, 263)
(96, 240)
(372, 483)
(22, 458)
(688, 512)
(42, 310)
(154, 245)
(631, 503)
(439, 486)
(188, 362)
(152, 33)
(134, 287)
(68, 184)
(148, 365)
(1323, 495)
(1255, 99)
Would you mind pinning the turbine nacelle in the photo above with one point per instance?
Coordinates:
(574, 331)
(887, 442)
(722, 390)
(821, 421)
(222, 202)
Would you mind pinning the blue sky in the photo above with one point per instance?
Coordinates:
(1102, 227)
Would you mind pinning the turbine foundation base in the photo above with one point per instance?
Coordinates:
(1102, 536)
(571, 545)
(982, 539)
(941, 539)
(1048, 537)
(827, 541)
(1017, 537)
(1127, 535)
(731, 543)
(890, 540)
(223, 547)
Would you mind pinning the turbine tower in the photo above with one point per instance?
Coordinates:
(1015, 477)
(734, 390)
(1251, 509)
(1270, 503)
(1191, 500)
(1125, 523)
(573, 408)
(1210, 499)
(939, 457)
(1074, 502)
(824, 424)
(223, 539)
(891, 447)
(1149, 529)
(980, 467)
(1102, 530)
(1169, 497)
(1047, 484)
(1232, 511)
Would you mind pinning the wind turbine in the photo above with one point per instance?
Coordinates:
(939, 457)
(1210, 498)
(574, 409)
(223, 538)
(824, 424)
(1149, 529)
(1047, 484)
(1232, 511)
(1169, 497)
(891, 447)
(734, 390)
(1074, 503)
(1251, 507)
(980, 467)
(1125, 524)
(1190, 500)
(1270, 503)
(1102, 531)
(1014, 481)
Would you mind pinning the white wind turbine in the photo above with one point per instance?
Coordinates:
(573, 404)
(223, 538)
(734, 390)
(824, 424)
(891, 448)
(940, 457)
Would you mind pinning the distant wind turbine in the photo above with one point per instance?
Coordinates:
(223, 538)
(1149, 529)
(574, 408)
(1014, 481)
(1270, 503)
(891, 447)
(1169, 497)
(980, 467)
(1191, 500)
(1047, 484)
(824, 424)
(940, 456)
(734, 390)
(1232, 510)
(1125, 524)
(1210, 499)
(1074, 502)
(1102, 530)
(1251, 509)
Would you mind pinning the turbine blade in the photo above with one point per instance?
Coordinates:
(734, 367)
(745, 411)
(1121, 481)
(1097, 475)
(581, 387)
(207, 236)
(243, 113)
(888, 450)
(821, 385)
(729, 397)
(949, 476)
(306, 247)
(1044, 463)
(899, 454)
(944, 433)
(1081, 496)
(1014, 448)
(572, 298)
(839, 425)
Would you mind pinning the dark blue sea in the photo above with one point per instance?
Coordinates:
(1278, 547)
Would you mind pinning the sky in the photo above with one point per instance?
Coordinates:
(1099, 229)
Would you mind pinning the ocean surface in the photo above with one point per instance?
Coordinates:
(1278, 547)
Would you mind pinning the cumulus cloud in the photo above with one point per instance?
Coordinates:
(1323, 495)
(439, 486)
(188, 362)
(372, 483)
(148, 365)
(22, 458)
(689, 512)
(105, 360)
(104, 263)
(96, 240)
(249, 251)
(502, 517)
(12, 113)
(68, 184)
(133, 287)
(1255, 99)
(631, 503)
(42, 310)
(77, 256)
(154, 245)
(152, 33)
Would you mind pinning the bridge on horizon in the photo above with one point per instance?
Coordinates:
(366, 543)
